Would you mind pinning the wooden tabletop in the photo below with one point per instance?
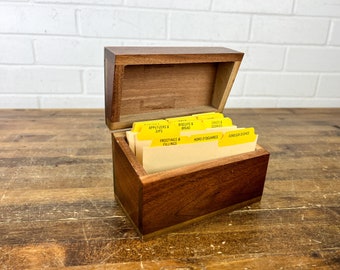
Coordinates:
(57, 207)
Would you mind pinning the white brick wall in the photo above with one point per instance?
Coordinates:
(25, 18)
(38, 80)
(285, 30)
(122, 23)
(51, 51)
(208, 26)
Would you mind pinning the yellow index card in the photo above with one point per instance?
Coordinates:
(169, 140)
(179, 141)
(150, 132)
(199, 148)
(190, 125)
(238, 136)
(217, 122)
(207, 137)
(136, 127)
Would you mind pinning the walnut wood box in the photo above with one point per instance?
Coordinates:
(152, 83)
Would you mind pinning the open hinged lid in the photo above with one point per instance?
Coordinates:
(144, 83)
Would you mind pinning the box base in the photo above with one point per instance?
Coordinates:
(174, 228)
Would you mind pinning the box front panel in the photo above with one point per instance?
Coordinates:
(174, 200)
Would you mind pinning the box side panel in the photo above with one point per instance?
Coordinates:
(174, 200)
(225, 77)
(127, 186)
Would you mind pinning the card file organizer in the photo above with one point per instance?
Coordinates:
(159, 82)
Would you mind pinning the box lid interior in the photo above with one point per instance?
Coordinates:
(144, 83)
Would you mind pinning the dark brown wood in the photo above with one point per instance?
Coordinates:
(57, 207)
(149, 82)
(175, 55)
(127, 184)
(155, 82)
(224, 80)
(111, 101)
(170, 198)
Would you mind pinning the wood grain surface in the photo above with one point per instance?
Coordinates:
(144, 83)
(159, 201)
(57, 207)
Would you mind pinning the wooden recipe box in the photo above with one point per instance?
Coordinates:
(144, 83)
